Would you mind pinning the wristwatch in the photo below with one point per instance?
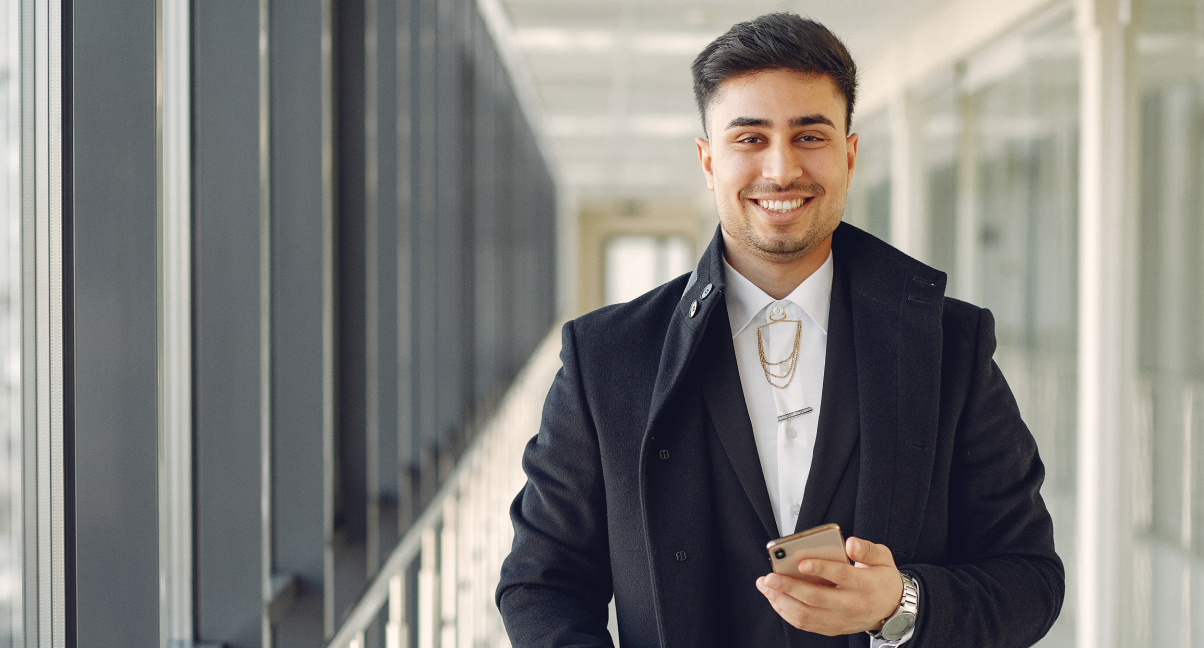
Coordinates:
(904, 618)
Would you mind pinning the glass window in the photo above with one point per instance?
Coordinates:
(942, 140)
(637, 264)
(1025, 249)
(868, 203)
(1169, 521)
(10, 328)
(1001, 193)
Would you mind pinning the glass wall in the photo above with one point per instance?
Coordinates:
(942, 143)
(1169, 512)
(1000, 189)
(868, 203)
(10, 328)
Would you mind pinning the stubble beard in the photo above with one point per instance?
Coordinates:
(783, 247)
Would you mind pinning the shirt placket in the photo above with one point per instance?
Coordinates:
(793, 453)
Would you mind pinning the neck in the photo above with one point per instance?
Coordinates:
(777, 278)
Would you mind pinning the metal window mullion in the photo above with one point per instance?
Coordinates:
(47, 542)
(175, 322)
(29, 359)
(329, 304)
(372, 429)
(265, 323)
(42, 312)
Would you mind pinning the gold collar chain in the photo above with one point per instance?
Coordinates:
(792, 359)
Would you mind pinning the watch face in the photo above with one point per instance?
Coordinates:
(898, 626)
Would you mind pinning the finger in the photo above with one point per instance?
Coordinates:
(839, 574)
(868, 553)
(810, 594)
(794, 611)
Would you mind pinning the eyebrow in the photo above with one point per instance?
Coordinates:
(795, 122)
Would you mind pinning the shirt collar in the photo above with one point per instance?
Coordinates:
(746, 301)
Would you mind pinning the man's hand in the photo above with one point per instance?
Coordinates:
(860, 596)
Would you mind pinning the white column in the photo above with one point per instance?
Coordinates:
(908, 215)
(965, 284)
(1107, 292)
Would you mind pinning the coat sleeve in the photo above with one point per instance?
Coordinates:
(556, 582)
(1003, 585)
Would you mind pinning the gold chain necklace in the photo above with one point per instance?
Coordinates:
(768, 366)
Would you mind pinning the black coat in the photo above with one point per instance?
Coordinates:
(644, 480)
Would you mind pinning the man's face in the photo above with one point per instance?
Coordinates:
(778, 161)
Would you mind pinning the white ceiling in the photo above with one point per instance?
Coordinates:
(611, 78)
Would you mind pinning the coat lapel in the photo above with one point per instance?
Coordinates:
(724, 397)
(839, 421)
(893, 298)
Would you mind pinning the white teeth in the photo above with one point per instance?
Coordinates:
(781, 205)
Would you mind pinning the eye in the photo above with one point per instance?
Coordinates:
(810, 138)
(751, 139)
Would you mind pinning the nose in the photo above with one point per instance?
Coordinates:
(781, 164)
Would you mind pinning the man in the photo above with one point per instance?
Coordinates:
(805, 373)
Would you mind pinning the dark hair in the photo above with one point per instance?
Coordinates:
(775, 41)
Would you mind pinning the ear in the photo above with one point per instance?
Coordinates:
(851, 145)
(704, 158)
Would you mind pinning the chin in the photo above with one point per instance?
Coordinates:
(787, 247)
(783, 243)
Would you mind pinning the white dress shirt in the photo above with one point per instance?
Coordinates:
(785, 447)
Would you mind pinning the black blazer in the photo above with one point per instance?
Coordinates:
(644, 480)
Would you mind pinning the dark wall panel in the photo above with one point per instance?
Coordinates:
(425, 242)
(411, 277)
(115, 323)
(228, 543)
(351, 501)
(384, 240)
(298, 246)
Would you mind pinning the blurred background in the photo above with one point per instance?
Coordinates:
(280, 285)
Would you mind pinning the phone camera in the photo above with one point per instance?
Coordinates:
(779, 553)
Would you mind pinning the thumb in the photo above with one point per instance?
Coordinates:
(868, 553)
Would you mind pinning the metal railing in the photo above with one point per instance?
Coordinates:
(462, 536)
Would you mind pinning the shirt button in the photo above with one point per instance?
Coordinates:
(777, 311)
(790, 433)
(795, 509)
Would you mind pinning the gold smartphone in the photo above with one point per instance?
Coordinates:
(824, 542)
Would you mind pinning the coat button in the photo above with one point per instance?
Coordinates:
(664, 454)
(706, 291)
(681, 556)
(693, 307)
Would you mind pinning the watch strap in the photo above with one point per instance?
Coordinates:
(905, 614)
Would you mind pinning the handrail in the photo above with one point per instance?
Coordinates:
(494, 456)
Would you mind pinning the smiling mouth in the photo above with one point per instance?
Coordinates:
(782, 206)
